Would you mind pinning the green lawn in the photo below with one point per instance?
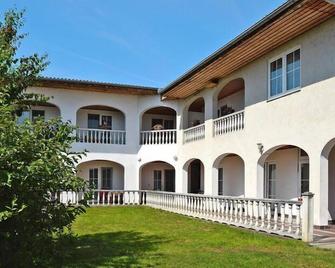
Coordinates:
(144, 237)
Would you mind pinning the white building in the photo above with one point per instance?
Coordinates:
(255, 119)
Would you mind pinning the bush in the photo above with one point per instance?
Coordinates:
(35, 162)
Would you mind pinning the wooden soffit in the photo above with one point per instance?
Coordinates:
(288, 21)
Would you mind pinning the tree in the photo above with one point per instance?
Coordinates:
(35, 162)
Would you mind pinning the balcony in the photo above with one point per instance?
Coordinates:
(229, 123)
(101, 136)
(101, 125)
(158, 126)
(153, 137)
(194, 133)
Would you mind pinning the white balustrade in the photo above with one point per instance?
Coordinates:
(194, 133)
(283, 217)
(168, 136)
(104, 197)
(229, 123)
(102, 136)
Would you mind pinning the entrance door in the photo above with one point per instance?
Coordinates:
(195, 177)
(169, 175)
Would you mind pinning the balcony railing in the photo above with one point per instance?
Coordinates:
(101, 136)
(194, 133)
(229, 123)
(282, 217)
(168, 136)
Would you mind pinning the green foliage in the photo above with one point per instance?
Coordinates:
(35, 163)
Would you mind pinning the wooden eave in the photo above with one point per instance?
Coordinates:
(95, 86)
(287, 22)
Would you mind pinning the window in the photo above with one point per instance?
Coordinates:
(93, 178)
(106, 121)
(276, 77)
(106, 179)
(284, 73)
(220, 181)
(168, 124)
(270, 176)
(157, 180)
(93, 121)
(36, 114)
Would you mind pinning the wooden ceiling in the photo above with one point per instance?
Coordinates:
(288, 21)
(231, 88)
(198, 105)
(100, 108)
(84, 85)
(161, 110)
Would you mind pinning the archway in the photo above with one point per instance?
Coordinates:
(284, 170)
(46, 111)
(157, 176)
(101, 124)
(158, 126)
(230, 98)
(194, 114)
(102, 174)
(229, 169)
(195, 176)
(100, 117)
(328, 175)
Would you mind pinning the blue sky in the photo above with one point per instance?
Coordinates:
(148, 42)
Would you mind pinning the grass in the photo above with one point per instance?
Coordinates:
(144, 237)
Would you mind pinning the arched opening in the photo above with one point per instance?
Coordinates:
(195, 113)
(46, 111)
(195, 176)
(328, 176)
(157, 176)
(101, 124)
(230, 99)
(158, 126)
(102, 174)
(229, 170)
(284, 171)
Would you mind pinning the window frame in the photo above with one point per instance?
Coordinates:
(157, 179)
(106, 115)
(220, 181)
(283, 56)
(92, 179)
(94, 114)
(303, 159)
(274, 181)
(104, 181)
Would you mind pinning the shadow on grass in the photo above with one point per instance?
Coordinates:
(116, 249)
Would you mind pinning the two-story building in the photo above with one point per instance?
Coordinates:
(254, 119)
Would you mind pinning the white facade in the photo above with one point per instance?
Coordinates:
(303, 119)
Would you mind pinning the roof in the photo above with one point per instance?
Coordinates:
(286, 22)
(86, 85)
